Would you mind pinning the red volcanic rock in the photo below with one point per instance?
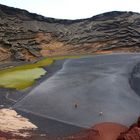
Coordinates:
(109, 131)
(138, 123)
(103, 131)
(133, 133)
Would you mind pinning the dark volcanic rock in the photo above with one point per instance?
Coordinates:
(27, 36)
(135, 79)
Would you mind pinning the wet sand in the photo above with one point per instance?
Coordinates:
(52, 127)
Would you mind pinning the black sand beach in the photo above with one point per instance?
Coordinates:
(96, 83)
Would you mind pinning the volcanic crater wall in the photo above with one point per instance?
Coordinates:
(27, 36)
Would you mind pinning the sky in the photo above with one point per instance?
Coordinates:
(73, 9)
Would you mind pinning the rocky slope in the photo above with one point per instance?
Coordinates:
(27, 36)
(133, 133)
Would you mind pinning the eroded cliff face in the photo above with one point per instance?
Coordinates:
(26, 36)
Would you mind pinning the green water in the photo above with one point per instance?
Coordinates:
(23, 76)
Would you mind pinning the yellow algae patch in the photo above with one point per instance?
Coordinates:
(24, 76)
(20, 79)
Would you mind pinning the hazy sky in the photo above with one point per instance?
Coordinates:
(73, 9)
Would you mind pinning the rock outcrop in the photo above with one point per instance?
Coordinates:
(102, 131)
(133, 133)
(26, 36)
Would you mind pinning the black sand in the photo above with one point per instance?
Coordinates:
(97, 84)
(101, 83)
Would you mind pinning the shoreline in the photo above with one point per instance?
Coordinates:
(16, 95)
(35, 119)
(121, 74)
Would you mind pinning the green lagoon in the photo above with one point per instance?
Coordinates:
(23, 76)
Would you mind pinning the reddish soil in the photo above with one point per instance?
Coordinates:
(109, 131)
(103, 131)
(133, 133)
